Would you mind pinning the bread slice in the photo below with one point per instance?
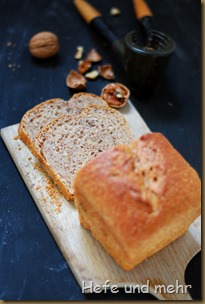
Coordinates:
(137, 198)
(34, 119)
(80, 101)
(69, 142)
(42, 114)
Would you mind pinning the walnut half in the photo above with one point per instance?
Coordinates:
(115, 94)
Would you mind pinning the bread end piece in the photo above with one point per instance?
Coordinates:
(138, 198)
(27, 129)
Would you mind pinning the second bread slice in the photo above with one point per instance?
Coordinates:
(42, 114)
(69, 142)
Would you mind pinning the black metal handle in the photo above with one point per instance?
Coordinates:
(117, 44)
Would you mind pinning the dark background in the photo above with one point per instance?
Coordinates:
(31, 265)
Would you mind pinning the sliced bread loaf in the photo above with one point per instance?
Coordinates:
(68, 142)
(42, 114)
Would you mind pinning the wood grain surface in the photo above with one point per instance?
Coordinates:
(85, 256)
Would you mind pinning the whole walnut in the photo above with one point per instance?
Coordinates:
(44, 45)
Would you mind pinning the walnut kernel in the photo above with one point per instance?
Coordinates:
(79, 52)
(115, 11)
(92, 75)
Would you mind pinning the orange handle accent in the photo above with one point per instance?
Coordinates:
(86, 10)
(141, 9)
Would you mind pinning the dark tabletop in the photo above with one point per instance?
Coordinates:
(31, 264)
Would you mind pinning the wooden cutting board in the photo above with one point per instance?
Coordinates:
(85, 256)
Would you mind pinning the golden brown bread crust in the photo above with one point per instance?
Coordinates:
(137, 199)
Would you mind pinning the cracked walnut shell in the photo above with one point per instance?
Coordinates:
(76, 81)
(84, 66)
(106, 72)
(44, 45)
(94, 56)
(115, 94)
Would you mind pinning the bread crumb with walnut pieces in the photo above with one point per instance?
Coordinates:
(38, 167)
(51, 189)
(16, 137)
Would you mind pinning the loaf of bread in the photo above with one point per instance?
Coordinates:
(68, 142)
(42, 114)
(137, 198)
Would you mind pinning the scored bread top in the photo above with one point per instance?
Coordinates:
(143, 193)
(68, 142)
(42, 114)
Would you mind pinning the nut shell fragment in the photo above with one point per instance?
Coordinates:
(76, 81)
(94, 56)
(106, 71)
(115, 94)
(84, 66)
(92, 75)
(44, 45)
